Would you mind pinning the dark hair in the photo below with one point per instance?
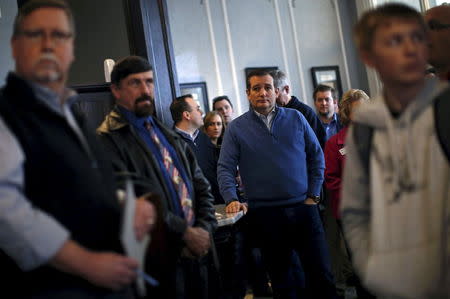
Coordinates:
(178, 106)
(33, 5)
(127, 66)
(324, 88)
(256, 73)
(365, 28)
(279, 78)
(221, 98)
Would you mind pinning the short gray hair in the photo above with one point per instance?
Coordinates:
(280, 79)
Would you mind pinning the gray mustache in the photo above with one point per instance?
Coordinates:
(48, 56)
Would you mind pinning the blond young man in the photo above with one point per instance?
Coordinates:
(395, 199)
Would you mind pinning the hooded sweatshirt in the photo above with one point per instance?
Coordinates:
(396, 217)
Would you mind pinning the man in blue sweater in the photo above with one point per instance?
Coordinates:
(281, 165)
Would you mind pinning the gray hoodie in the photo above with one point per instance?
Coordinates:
(396, 218)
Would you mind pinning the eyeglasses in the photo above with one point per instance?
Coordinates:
(37, 36)
(437, 26)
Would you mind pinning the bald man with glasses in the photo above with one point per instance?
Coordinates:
(438, 21)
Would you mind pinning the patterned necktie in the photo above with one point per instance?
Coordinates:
(178, 182)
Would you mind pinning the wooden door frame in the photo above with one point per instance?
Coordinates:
(149, 35)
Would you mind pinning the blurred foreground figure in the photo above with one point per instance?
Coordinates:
(438, 21)
(396, 191)
(59, 216)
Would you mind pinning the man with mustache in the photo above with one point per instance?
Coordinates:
(59, 216)
(159, 161)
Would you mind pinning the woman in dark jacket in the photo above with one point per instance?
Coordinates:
(214, 128)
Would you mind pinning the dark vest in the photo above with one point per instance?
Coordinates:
(60, 179)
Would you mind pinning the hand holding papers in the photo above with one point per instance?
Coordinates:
(133, 247)
(223, 218)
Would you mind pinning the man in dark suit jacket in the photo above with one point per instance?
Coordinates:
(188, 120)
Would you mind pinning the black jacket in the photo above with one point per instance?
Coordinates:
(131, 155)
(311, 117)
(207, 156)
(62, 179)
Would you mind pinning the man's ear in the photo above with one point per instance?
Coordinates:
(115, 91)
(186, 115)
(288, 89)
(247, 91)
(277, 89)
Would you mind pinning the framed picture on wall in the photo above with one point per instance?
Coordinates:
(198, 92)
(327, 75)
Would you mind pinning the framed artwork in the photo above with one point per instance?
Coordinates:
(198, 92)
(327, 75)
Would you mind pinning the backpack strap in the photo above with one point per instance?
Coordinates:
(362, 136)
(442, 122)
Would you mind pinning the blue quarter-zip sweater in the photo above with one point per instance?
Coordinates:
(278, 167)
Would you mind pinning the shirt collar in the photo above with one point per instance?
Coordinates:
(334, 120)
(51, 99)
(334, 117)
(186, 134)
(271, 113)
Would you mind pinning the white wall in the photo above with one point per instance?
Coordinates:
(357, 71)
(8, 10)
(249, 38)
(259, 33)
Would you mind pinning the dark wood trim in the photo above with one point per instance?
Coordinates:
(91, 88)
(170, 56)
(21, 2)
(134, 27)
(149, 36)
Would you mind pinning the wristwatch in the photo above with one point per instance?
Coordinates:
(315, 198)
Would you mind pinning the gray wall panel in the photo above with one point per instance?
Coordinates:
(256, 41)
(8, 11)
